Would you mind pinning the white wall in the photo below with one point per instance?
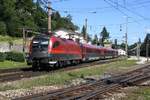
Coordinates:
(121, 52)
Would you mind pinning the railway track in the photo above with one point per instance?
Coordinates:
(17, 74)
(97, 89)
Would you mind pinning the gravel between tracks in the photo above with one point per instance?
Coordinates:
(23, 92)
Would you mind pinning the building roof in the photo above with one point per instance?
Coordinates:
(70, 32)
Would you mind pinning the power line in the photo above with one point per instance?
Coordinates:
(139, 2)
(110, 25)
(135, 13)
(94, 10)
(121, 11)
(133, 4)
(116, 8)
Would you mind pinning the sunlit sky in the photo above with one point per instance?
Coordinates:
(110, 14)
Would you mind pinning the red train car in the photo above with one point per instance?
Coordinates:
(92, 52)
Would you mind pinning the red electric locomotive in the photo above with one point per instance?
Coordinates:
(48, 49)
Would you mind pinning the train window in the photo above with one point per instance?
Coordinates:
(56, 44)
(44, 42)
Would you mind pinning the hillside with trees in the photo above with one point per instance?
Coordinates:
(18, 14)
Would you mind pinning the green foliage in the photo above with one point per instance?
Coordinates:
(8, 39)
(2, 56)
(95, 40)
(14, 56)
(16, 14)
(83, 31)
(2, 28)
(145, 45)
(104, 35)
(11, 64)
(62, 22)
(122, 46)
(115, 44)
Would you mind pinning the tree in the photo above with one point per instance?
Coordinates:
(62, 22)
(83, 32)
(30, 14)
(104, 35)
(2, 28)
(122, 46)
(145, 45)
(115, 44)
(95, 40)
(89, 39)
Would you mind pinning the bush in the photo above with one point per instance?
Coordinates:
(14, 56)
(2, 56)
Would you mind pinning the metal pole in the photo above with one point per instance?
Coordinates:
(147, 51)
(49, 16)
(126, 37)
(23, 31)
(137, 52)
(86, 36)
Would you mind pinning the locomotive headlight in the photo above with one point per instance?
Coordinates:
(35, 42)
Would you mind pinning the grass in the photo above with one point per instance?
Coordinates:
(61, 78)
(11, 64)
(142, 93)
(7, 39)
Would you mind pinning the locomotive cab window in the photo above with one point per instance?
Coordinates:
(56, 44)
(40, 42)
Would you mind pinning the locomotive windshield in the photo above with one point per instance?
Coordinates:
(40, 43)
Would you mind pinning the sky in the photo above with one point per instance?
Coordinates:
(112, 14)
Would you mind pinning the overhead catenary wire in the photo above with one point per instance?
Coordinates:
(122, 12)
(93, 10)
(131, 11)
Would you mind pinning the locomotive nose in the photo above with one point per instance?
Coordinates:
(40, 47)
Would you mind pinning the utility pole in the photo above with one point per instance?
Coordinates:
(138, 51)
(49, 16)
(86, 34)
(126, 37)
(147, 50)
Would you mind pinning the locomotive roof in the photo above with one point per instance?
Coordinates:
(42, 36)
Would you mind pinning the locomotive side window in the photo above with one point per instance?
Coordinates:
(56, 44)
